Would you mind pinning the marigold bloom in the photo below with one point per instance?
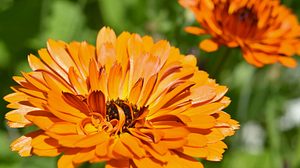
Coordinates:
(128, 102)
(266, 31)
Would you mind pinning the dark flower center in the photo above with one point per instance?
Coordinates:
(114, 116)
(132, 112)
(241, 23)
(246, 15)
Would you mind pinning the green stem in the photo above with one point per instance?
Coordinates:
(295, 157)
(272, 127)
(244, 97)
(273, 134)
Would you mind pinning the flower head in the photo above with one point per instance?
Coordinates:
(128, 102)
(266, 31)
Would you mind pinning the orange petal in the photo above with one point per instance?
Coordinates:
(133, 144)
(195, 30)
(196, 140)
(84, 155)
(194, 151)
(55, 68)
(250, 58)
(136, 91)
(166, 82)
(42, 119)
(121, 149)
(18, 117)
(77, 82)
(46, 152)
(30, 92)
(173, 143)
(92, 140)
(23, 144)
(188, 3)
(86, 54)
(63, 128)
(102, 149)
(94, 76)
(136, 133)
(64, 116)
(259, 47)
(214, 136)
(36, 64)
(96, 101)
(14, 97)
(114, 81)
(105, 44)
(117, 163)
(43, 141)
(190, 60)
(202, 122)
(75, 102)
(148, 90)
(215, 151)
(55, 100)
(66, 160)
(135, 51)
(148, 43)
(160, 148)
(170, 95)
(35, 82)
(147, 163)
(122, 118)
(103, 81)
(73, 49)
(105, 35)
(208, 45)
(155, 154)
(221, 90)
(55, 84)
(202, 94)
(206, 109)
(265, 58)
(161, 49)
(287, 49)
(66, 140)
(288, 62)
(155, 134)
(173, 133)
(60, 55)
(180, 161)
(121, 50)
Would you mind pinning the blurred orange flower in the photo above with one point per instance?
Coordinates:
(266, 31)
(128, 101)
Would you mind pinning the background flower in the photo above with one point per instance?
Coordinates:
(266, 31)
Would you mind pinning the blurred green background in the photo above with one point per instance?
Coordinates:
(266, 101)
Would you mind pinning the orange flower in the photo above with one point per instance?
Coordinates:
(128, 101)
(266, 31)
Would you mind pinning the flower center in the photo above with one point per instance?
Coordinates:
(246, 15)
(131, 112)
(242, 23)
(111, 116)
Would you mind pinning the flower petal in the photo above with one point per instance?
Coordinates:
(209, 45)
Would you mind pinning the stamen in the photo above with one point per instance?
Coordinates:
(114, 116)
(131, 112)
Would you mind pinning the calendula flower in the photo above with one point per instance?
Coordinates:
(266, 31)
(128, 102)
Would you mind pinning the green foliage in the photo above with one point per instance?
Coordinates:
(258, 95)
